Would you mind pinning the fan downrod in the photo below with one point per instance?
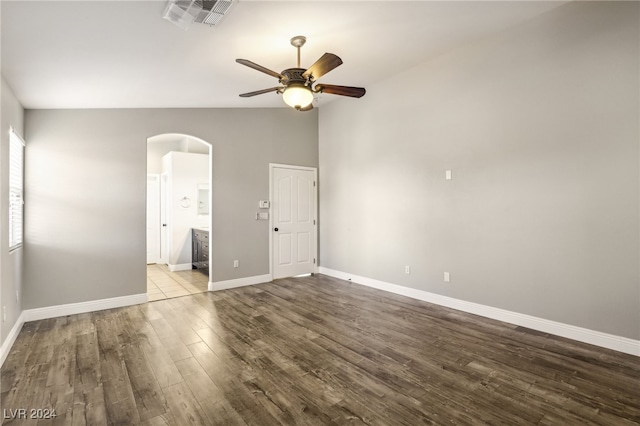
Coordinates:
(298, 42)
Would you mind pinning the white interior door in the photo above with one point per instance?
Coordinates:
(153, 219)
(164, 237)
(293, 220)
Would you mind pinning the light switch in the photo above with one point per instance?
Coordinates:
(262, 216)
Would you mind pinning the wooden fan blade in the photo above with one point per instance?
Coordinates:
(326, 63)
(259, 92)
(260, 68)
(354, 92)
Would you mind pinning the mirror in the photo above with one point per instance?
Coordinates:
(203, 198)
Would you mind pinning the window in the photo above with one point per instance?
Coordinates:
(16, 185)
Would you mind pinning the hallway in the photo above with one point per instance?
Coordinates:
(164, 284)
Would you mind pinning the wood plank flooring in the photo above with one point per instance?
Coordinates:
(308, 351)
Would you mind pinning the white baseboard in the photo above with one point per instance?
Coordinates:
(11, 338)
(64, 310)
(82, 307)
(597, 338)
(239, 282)
(180, 267)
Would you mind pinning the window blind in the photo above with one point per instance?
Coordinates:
(16, 186)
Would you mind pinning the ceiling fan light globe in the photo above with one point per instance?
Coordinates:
(297, 96)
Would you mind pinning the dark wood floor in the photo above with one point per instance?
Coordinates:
(309, 351)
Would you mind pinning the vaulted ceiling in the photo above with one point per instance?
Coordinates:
(123, 54)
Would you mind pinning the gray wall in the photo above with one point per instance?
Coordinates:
(11, 114)
(539, 125)
(85, 194)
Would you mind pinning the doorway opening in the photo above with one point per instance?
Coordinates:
(179, 203)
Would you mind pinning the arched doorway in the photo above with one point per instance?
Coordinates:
(178, 214)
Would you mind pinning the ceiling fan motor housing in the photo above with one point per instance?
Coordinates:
(293, 75)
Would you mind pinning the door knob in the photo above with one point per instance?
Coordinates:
(275, 229)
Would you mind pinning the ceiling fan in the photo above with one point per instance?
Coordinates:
(297, 84)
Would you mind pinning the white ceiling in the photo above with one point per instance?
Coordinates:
(122, 54)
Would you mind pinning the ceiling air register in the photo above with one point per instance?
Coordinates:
(185, 12)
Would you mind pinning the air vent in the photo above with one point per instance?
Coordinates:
(213, 12)
(182, 13)
(185, 12)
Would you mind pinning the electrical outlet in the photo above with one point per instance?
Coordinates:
(447, 174)
(236, 263)
(407, 269)
(447, 277)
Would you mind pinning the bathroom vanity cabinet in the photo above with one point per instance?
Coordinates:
(200, 249)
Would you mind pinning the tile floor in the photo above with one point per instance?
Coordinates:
(164, 284)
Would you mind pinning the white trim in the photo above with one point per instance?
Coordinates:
(597, 338)
(294, 167)
(180, 267)
(64, 310)
(239, 282)
(16, 189)
(165, 247)
(83, 307)
(164, 230)
(158, 178)
(11, 338)
(315, 218)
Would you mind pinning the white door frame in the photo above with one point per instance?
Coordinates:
(156, 209)
(166, 241)
(164, 235)
(315, 213)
